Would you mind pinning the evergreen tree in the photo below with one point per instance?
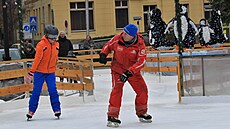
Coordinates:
(223, 5)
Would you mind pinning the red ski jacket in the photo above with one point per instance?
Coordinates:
(130, 58)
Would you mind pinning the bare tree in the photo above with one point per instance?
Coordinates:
(1, 20)
(1, 24)
(12, 17)
(13, 21)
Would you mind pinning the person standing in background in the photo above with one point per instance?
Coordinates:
(29, 51)
(89, 43)
(26, 42)
(65, 45)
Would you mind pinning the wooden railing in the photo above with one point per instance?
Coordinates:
(155, 65)
(93, 54)
(80, 69)
(81, 72)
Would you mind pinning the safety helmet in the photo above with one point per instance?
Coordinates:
(51, 31)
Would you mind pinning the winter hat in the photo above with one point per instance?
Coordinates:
(131, 30)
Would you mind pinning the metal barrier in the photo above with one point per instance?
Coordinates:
(206, 75)
(193, 70)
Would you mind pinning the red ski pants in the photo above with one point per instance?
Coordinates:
(138, 84)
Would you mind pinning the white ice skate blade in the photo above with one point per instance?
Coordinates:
(113, 124)
(144, 120)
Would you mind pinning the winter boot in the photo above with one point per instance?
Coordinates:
(113, 122)
(145, 118)
(57, 114)
(29, 115)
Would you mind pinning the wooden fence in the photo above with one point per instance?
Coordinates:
(93, 54)
(80, 69)
(81, 72)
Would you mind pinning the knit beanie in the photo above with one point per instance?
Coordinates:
(131, 29)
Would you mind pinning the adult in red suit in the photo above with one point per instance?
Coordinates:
(129, 57)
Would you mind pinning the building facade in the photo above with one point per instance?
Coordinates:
(106, 17)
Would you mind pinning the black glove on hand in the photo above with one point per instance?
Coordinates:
(124, 77)
(102, 58)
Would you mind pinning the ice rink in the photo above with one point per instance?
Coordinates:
(194, 113)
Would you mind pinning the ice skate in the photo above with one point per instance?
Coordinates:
(113, 122)
(57, 114)
(146, 118)
(29, 115)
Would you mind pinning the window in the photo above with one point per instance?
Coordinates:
(43, 20)
(49, 14)
(207, 11)
(121, 10)
(78, 16)
(146, 10)
(39, 22)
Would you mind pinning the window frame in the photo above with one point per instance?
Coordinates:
(146, 15)
(121, 7)
(80, 9)
(207, 9)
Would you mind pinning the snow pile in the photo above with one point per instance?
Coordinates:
(2, 101)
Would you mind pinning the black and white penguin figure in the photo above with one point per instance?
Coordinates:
(188, 27)
(206, 34)
(157, 38)
(217, 25)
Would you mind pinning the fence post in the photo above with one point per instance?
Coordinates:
(91, 79)
(82, 82)
(179, 82)
(158, 65)
(203, 81)
(27, 93)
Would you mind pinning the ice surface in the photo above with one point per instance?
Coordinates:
(195, 113)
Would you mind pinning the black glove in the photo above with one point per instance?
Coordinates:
(102, 58)
(124, 77)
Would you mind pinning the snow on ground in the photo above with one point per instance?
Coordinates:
(1, 101)
(163, 106)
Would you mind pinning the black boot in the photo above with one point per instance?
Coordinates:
(29, 115)
(57, 114)
(113, 122)
(145, 118)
